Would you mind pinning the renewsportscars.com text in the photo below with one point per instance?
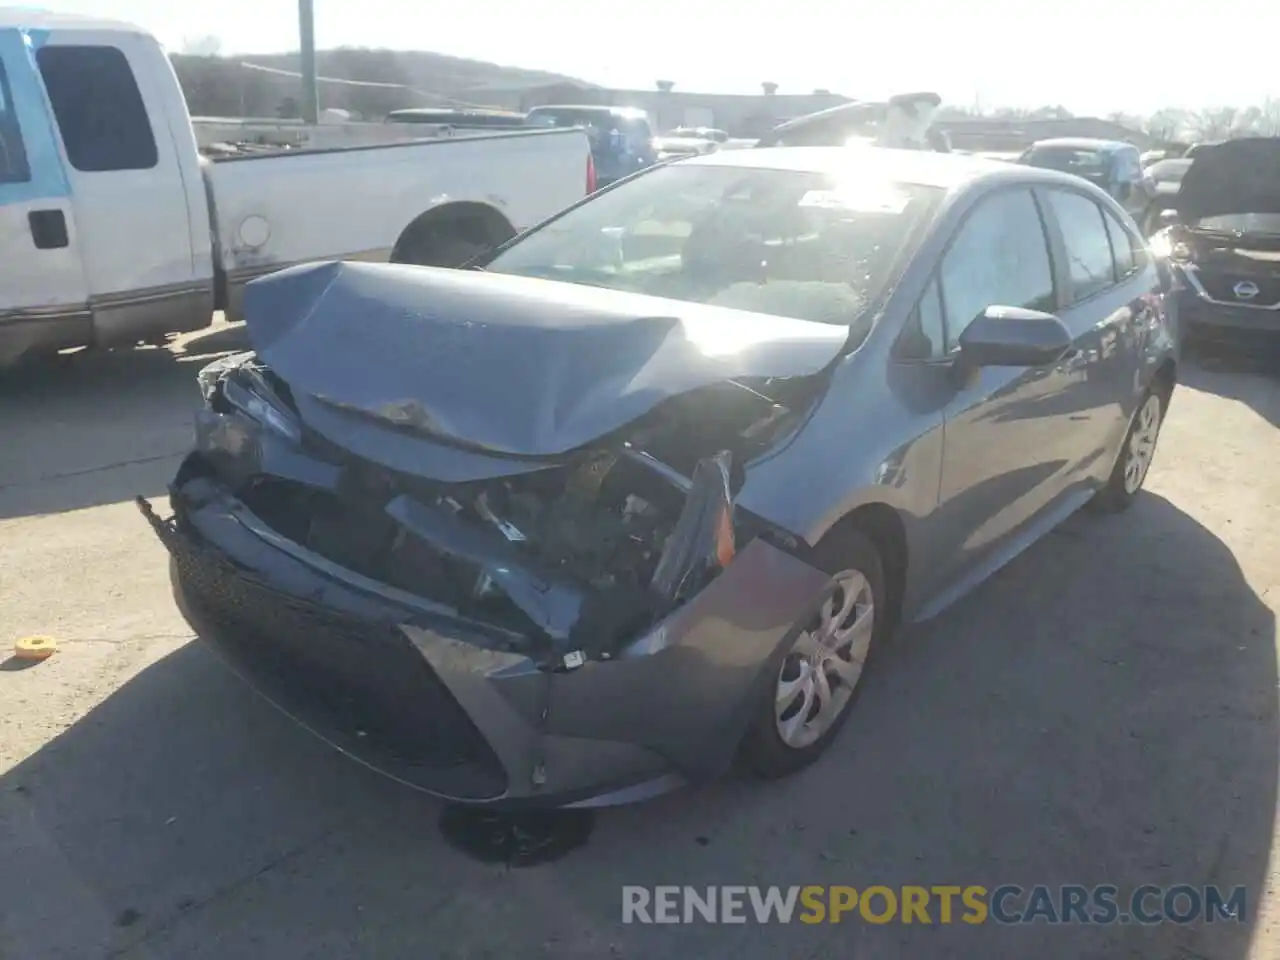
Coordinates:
(937, 904)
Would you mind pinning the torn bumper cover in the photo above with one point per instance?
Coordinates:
(465, 709)
(479, 532)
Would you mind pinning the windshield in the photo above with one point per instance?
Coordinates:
(1091, 164)
(784, 242)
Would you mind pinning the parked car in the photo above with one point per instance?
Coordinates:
(113, 229)
(1166, 175)
(676, 145)
(1113, 165)
(647, 491)
(904, 120)
(701, 133)
(622, 140)
(1225, 243)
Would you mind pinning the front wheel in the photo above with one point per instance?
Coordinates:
(821, 674)
(1136, 454)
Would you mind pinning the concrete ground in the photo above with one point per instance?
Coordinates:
(1103, 711)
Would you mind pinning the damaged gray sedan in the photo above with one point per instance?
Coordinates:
(643, 493)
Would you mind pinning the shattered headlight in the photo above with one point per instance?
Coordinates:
(212, 374)
(243, 388)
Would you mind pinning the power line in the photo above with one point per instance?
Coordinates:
(276, 71)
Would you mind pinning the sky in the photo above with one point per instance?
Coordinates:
(1091, 56)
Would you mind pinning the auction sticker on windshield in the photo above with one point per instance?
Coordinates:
(878, 200)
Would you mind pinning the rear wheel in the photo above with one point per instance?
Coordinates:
(820, 676)
(1139, 448)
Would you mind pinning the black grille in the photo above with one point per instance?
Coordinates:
(1220, 285)
(359, 680)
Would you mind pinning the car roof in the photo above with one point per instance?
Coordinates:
(1082, 143)
(22, 18)
(922, 167)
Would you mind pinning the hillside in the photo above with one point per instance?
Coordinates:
(222, 86)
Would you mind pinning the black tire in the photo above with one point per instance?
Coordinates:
(1118, 494)
(440, 250)
(763, 752)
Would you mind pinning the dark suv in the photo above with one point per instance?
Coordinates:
(621, 137)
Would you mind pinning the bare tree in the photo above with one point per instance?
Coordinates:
(1215, 123)
(1269, 121)
(769, 88)
(665, 86)
(1167, 124)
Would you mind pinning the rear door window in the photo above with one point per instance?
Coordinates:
(13, 153)
(1084, 233)
(1124, 249)
(99, 108)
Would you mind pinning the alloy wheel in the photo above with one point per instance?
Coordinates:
(818, 676)
(1142, 444)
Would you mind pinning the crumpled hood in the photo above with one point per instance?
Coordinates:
(1235, 176)
(508, 365)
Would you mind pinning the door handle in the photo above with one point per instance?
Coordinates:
(48, 229)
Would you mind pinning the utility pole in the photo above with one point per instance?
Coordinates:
(310, 101)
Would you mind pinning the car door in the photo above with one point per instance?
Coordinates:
(122, 163)
(44, 295)
(1005, 436)
(1100, 314)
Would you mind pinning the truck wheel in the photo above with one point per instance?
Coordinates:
(434, 250)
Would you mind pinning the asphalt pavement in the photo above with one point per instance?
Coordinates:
(1102, 711)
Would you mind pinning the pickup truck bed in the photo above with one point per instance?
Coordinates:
(114, 229)
(269, 210)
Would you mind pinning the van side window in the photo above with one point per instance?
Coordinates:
(99, 108)
(13, 155)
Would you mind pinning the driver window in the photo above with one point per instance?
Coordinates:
(999, 257)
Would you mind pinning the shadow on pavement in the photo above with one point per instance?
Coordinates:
(91, 428)
(1250, 376)
(1103, 711)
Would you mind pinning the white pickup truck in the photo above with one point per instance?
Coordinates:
(114, 230)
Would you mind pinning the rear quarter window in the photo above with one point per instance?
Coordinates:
(98, 107)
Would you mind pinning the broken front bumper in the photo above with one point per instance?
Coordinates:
(1210, 309)
(461, 709)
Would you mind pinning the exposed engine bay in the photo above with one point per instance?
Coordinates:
(580, 553)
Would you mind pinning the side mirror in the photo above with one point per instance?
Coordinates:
(1014, 337)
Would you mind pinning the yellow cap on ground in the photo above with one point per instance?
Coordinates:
(34, 648)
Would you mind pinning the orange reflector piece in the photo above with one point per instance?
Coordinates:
(724, 540)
